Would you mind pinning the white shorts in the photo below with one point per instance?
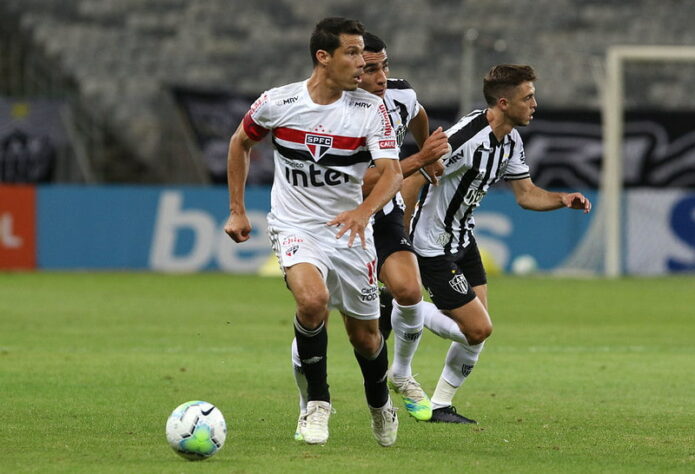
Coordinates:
(349, 273)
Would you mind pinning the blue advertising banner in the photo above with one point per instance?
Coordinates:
(181, 229)
(146, 228)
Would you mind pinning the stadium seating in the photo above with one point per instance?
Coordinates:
(123, 54)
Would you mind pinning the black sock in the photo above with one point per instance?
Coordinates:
(374, 373)
(312, 345)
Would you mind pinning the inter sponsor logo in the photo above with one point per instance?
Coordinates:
(459, 284)
(315, 176)
(387, 144)
(318, 145)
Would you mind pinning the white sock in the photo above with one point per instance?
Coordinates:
(460, 361)
(407, 323)
(441, 324)
(299, 378)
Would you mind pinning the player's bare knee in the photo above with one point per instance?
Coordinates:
(312, 307)
(478, 334)
(406, 295)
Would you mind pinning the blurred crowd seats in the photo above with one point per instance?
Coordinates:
(124, 54)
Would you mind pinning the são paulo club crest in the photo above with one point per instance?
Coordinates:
(318, 144)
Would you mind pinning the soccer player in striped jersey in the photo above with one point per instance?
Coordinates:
(397, 267)
(486, 148)
(325, 132)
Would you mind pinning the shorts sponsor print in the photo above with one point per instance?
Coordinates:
(349, 273)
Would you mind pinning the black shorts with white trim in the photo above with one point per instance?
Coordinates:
(450, 279)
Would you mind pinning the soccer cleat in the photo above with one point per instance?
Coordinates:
(301, 423)
(449, 415)
(385, 308)
(416, 401)
(315, 428)
(385, 424)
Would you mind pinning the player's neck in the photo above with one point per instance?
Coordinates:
(322, 90)
(498, 123)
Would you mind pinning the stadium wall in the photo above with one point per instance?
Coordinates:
(180, 229)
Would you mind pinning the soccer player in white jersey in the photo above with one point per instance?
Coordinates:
(397, 265)
(325, 132)
(486, 147)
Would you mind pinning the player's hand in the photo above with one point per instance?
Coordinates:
(238, 227)
(354, 221)
(434, 147)
(434, 171)
(577, 201)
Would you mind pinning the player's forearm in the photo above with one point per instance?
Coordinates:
(371, 177)
(237, 171)
(410, 189)
(384, 189)
(538, 199)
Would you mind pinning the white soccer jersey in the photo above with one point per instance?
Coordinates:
(444, 220)
(402, 105)
(321, 153)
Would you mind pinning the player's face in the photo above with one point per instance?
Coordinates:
(345, 64)
(376, 71)
(522, 104)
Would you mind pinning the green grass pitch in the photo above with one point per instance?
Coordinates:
(579, 376)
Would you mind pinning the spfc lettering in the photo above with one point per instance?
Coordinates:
(318, 145)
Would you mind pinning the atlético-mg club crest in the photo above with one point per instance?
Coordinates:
(459, 284)
(317, 144)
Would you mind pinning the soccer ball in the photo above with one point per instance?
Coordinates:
(524, 265)
(196, 430)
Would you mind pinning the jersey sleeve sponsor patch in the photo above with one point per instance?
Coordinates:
(387, 144)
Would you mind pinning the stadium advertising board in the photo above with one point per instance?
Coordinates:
(17, 227)
(660, 231)
(181, 230)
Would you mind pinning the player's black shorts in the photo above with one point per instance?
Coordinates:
(450, 279)
(390, 236)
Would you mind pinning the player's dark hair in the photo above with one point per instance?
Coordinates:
(373, 43)
(501, 79)
(326, 35)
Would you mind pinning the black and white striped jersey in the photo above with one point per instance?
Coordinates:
(444, 219)
(402, 105)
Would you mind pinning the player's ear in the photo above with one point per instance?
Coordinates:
(323, 57)
(502, 103)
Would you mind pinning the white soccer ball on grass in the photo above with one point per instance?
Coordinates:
(524, 265)
(196, 430)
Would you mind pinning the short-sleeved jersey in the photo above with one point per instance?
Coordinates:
(444, 219)
(321, 152)
(402, 105)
